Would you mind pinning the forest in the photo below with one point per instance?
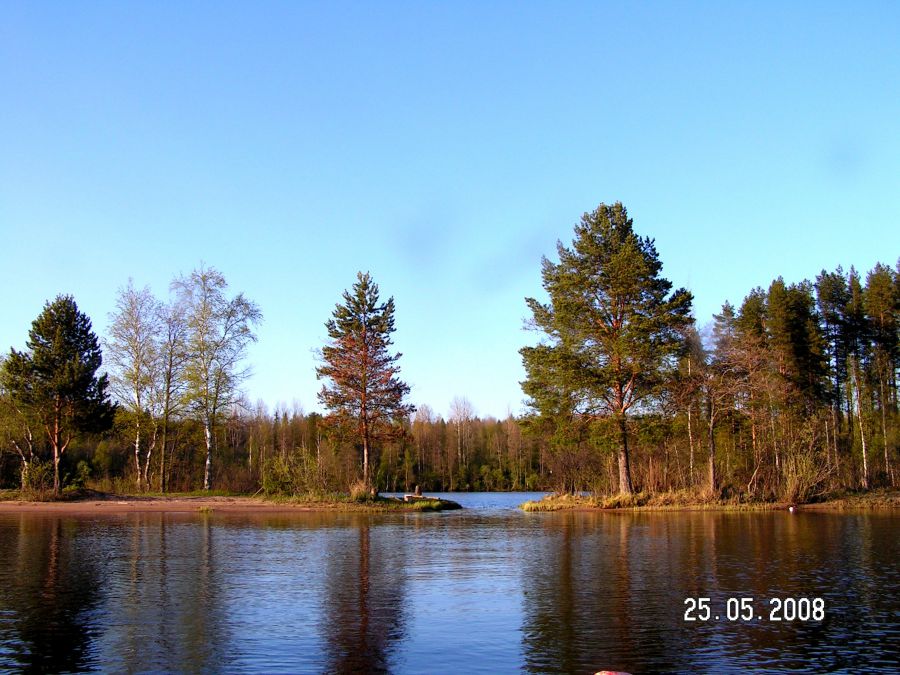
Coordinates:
(790, 394)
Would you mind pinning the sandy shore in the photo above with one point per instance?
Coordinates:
(100, 503)
(168, 505)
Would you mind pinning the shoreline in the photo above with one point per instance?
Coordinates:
(118, 504)
(96, 503)
(882, 500)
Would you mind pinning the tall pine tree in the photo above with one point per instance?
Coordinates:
(362, 389)
(613, 326)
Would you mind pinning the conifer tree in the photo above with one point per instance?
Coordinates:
(361, 387)
(831, 299)
(882, 311)
(612, 325)
(795, 338)
(55, 380)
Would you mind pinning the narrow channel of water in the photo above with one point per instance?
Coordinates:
(486, 589)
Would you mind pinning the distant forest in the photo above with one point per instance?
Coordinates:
(790, 394)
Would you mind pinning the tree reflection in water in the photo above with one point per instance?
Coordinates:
(49, 580)
(363, 604)
(593, 590)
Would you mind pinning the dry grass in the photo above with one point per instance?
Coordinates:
(883, 498)
(686, 500)
(368, 503)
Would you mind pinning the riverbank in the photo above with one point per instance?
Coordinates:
(90, 501)
(683, 501)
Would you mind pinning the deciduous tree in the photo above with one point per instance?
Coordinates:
(133, 352)
(219, 330)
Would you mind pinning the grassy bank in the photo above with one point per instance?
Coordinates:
(213, 500)
(692, 501)
(342, 502)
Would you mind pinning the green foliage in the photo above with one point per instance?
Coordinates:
(219, 330)
(289, 475)
(38, 479)
(795, 337)
(82, 474)
(362, 388)
(612, 325)
(55, 381)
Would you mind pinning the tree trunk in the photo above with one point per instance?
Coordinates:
(887, 462)
(55, 443)
(366, 462)
(625, 486)
(137, 451)
(162, 453)
(711, 448)
(691, 444)
(862, 431)
(150, 447)
(208, 434)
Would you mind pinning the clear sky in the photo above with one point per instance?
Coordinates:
(442, 146)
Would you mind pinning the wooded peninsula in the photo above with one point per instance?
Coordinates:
(789, 396)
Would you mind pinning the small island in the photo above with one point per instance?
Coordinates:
(94, 502)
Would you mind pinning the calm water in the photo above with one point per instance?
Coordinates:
(489, 589)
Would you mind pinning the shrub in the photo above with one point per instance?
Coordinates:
(805, 478)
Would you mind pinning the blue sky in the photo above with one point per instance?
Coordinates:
(444, 147)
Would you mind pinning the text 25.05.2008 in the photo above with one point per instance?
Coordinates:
(745, 609)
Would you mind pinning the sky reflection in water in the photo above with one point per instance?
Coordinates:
(489, 589)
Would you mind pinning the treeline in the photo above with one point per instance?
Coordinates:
(168, 413)
(291, 452)
(791, 394)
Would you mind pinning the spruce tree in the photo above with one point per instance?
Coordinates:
(362, 389)
(796, 340)
(612, 325)
(56, 380)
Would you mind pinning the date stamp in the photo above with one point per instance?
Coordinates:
(745, 609)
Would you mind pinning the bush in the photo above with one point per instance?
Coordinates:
(290, 476)
(38, 479)
(805, 478)
(360, 492)
(82, 473)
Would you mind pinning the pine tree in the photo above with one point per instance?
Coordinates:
(55, 379)
(362, 389)
(795, 338)
(882, 311)
(613, 327)
(832, 295)
(857, 337)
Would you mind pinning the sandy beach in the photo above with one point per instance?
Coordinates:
(130, 504)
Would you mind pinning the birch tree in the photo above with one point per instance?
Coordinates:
(16, 430)
(219, 330)
(168, 393)
(133, 351)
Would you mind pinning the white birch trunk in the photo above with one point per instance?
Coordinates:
(207, 433)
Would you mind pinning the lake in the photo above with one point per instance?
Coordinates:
(488, 589)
